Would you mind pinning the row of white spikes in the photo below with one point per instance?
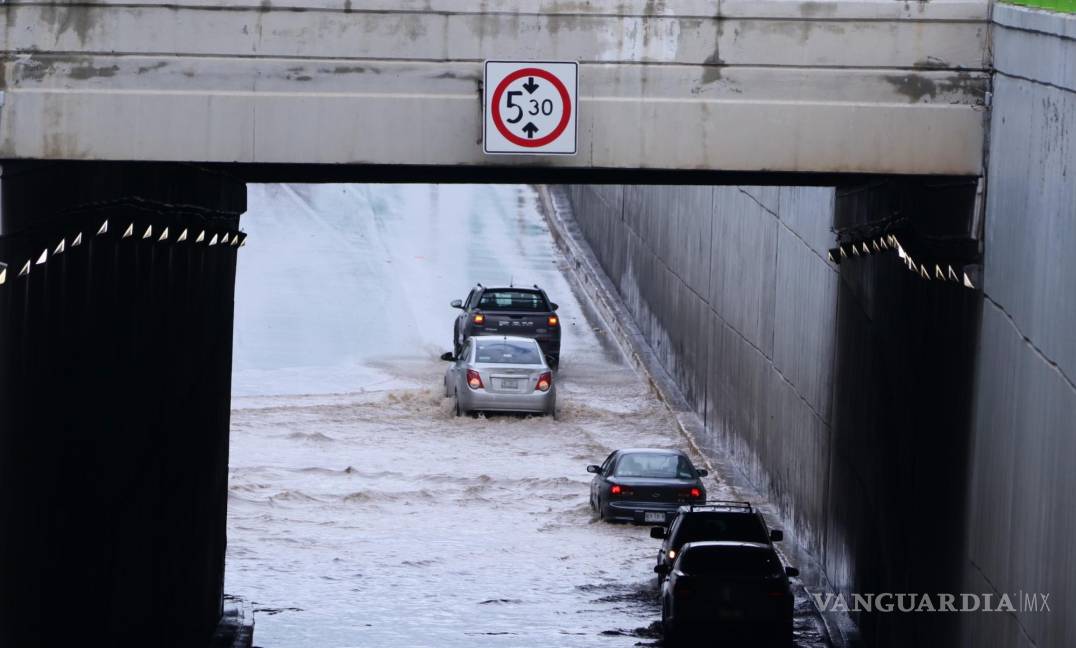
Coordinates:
(227, 239)
(891, 242)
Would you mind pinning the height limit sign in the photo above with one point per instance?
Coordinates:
(530, 107)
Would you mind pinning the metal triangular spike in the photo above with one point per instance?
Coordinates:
(59, 248)
(844, 255)
(148, 233)
(103, 229)
(78, 240)
(201, 237)
(829, 256)
(967, 282)
(938, 274)
(213, 241)
(3, 275)
(866, 250)
(893, 242)
(25, 269)
(884, 243)
(952, 275)
(164, 235)
(235, 241)
(129, 231)
(225, 239)
(874, 244)
(44, 257)
(855, 250)
(911, 265)
(182, 236)
(923, 272)
(244, 243)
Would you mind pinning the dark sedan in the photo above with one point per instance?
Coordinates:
(644, 485)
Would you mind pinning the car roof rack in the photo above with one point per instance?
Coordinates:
(720, 504)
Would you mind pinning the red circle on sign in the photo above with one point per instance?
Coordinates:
(564, 99)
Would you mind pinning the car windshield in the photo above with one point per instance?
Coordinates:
(508, 352)
(655, 465)
(513, 300)
(730, 561)
(744, 527)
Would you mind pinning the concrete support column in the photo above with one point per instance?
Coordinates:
(115, 372)
(902, 402)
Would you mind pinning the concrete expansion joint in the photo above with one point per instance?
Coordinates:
(1027, 340)
(598, 288)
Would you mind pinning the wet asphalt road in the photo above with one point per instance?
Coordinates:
(362, 512)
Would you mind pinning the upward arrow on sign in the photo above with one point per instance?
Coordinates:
(530, 129)
(530, 86)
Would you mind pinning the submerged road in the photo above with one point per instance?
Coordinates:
(362, 512)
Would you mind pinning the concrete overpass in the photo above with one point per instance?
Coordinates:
(846, 86)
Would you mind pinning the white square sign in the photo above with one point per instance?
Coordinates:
(530, 107)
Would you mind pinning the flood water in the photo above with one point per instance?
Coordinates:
(362, 512)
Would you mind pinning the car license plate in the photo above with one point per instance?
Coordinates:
(653, 517)
(509, 383)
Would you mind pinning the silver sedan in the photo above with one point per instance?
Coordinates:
(498, 373)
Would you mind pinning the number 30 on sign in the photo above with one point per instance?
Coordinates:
(530, 107)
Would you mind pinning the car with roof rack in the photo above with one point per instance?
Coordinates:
(714, 521)
(644, 485)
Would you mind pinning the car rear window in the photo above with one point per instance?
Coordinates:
(513, 300)
(735, 526)
(731, 561)
(508, 352)
(655, 466)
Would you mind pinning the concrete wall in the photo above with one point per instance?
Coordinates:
(731, 287)
(1022, 519)
(770, 85)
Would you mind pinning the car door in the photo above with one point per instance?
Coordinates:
(461, 318)
(599, 479)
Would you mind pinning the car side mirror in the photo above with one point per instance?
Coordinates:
(702, 472)
(777, 535)
(661, 570)
(554, 305)
(456, 303)
(592, 468)
(792, 572)
(447, 355)
(657, 533)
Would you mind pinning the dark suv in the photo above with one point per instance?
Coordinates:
(716, 521)
(735, 592)
(521, 312)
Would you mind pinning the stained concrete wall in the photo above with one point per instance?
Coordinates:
(731, 287)
(1022, 520)
(695, 84)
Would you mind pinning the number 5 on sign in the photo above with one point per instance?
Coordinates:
(530, 107)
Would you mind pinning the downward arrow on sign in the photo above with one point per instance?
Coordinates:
(530, 129)
(530, 86)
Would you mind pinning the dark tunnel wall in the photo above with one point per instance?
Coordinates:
(115, 369)
(845, 392)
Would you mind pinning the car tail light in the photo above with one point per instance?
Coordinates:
(615, 490)
(553, 321)
(696, 492)
(479, 318)
(545, 381)
(474, 381)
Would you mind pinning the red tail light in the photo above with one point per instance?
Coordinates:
(474, 381)
(696, 492)
(545, 381)
(553, 321)
(615, 490)
(479, 318)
